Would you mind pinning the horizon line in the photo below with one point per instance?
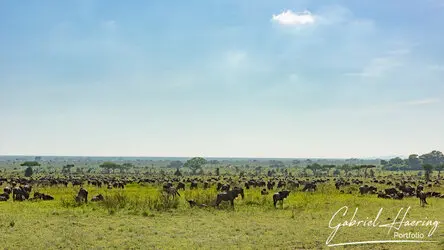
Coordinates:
(235, 157)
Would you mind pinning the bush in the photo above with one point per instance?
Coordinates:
(114, 202)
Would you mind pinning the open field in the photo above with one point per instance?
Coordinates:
(138, 217)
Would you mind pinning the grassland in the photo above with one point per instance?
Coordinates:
(139, 218)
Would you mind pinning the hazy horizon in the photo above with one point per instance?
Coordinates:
(208, 157)
(273, 79)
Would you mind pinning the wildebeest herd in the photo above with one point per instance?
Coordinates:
(228, 188)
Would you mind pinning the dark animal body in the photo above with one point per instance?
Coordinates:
(82, 195)
(280, 196)
(229, 196)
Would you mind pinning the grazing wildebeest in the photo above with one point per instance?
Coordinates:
(180, 185)
(7, 190)
(46, 197)
(4, 197)
(281, 184)
(193, 185)
(419, 188)
(82, 195)
(192, 203)
(264, 191)
(422, 198)
(309, 186)
(27, 188)
(383, 195)
(229, 196)
(391, 191)
(280, 196)
(367, 189)
(19, 194)
(171, 191)
(97, 198)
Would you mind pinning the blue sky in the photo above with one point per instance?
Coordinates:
(231, 78)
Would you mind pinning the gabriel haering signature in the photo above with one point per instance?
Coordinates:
(395, 225)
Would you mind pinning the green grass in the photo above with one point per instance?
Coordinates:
(139, 217)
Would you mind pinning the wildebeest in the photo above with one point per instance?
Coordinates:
(43, 196)
(171, 191)
(4, 197)
(19, 194)
(194, 204)
(193, 185)
(82, 195)
(7, 190)
(367, 189)
(229, 196)
(180, 185)
(98, 197)
(309, 186)
(422, 198)
(264, 191)
(280, 196)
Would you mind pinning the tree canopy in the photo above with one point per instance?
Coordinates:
(175, 164)
(195, 164)
(30, 164)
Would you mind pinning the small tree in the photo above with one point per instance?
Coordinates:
(177, 173)
(346, 168)
(195, 164)
(372, 173)
(67, 168)
(28, 171)
(439, 168)
(109, 165)
(217, 172)
(175, 164)
(365, 167)
(336, 172)
(428, 170)
(314, 168)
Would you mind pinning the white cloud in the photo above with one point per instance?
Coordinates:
(379, 66)
(291, 18)
(423, 101)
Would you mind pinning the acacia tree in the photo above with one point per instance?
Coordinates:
(177, 173)
(428, 170)
(314, 168)
(328, 168)
(109, 165)
(195, 164)
(439, 168)
(125, 167)
(365, 167)
(67, 168)
(346, 168)
(433, 158)
(29, 164)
